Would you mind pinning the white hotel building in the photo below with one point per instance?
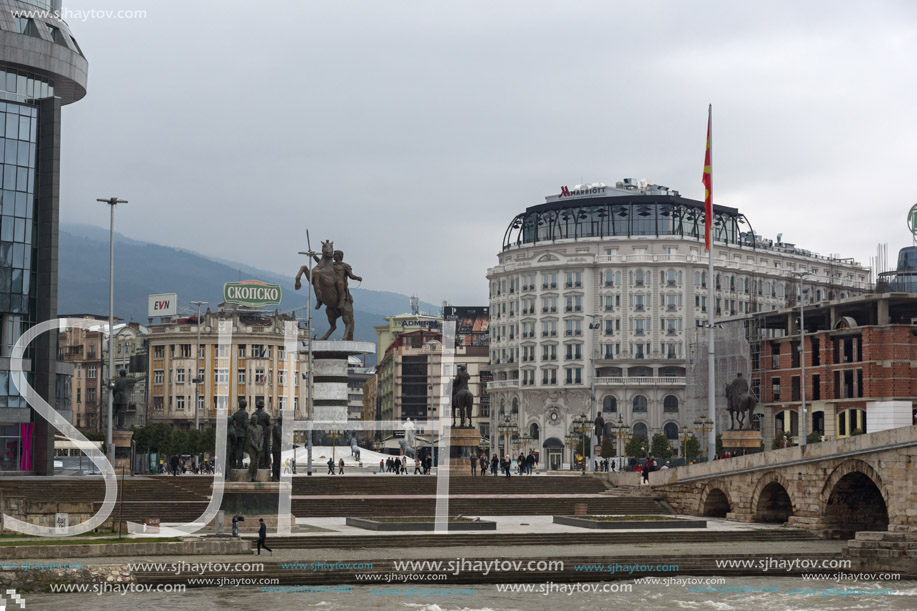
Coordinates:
(609, 282)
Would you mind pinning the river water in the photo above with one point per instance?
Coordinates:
(794, 594)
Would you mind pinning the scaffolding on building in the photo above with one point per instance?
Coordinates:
(733, 355)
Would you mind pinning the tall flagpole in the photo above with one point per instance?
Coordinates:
(711, 304)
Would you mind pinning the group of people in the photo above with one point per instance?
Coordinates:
(604, 464)
(393, 464)
(524, 464)
(180, 466)
(331, 466)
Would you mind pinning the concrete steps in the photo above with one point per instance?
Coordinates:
(500, 539)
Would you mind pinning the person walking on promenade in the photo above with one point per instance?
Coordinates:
(341, 466)
(484, 464)
(174, 463)
(474, 464)
(262, 537)
(330, 466)
(381, 465)
(417, 468)
(493, 465)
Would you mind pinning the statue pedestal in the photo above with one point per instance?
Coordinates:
(463, 443)
(738, 440)
(122, 442)
(329, 376)
(238, 475)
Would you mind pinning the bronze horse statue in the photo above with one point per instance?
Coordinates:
(462, 404)
(330, 290)
(738, 405)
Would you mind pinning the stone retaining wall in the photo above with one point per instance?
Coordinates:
(138, 550)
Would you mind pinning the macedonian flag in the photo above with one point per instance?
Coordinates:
(708, 181)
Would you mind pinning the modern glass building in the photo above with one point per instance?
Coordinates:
(904, 278)
(41, 69)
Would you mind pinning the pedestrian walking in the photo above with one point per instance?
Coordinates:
(381, 465)
(262, 537)
(341, 467)
(330, 466)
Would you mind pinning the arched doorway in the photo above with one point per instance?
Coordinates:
(716, 504)
(554, 451)
(855, 504)
(774, 505)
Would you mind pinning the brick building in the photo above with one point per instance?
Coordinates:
(860, 356)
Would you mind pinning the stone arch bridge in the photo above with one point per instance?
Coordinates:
(862, 483)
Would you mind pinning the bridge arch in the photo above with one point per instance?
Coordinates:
(715, 501)
(771, 501)
(854, 498)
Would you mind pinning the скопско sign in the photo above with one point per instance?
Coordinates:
(251, 293)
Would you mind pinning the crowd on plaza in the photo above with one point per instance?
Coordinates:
(399, 465)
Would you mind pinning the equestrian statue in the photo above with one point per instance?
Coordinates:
(462, 399)
(739, 401)
(329, 279)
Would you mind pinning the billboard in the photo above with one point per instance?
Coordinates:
(253, 293)
(163, 304)
(471, 324)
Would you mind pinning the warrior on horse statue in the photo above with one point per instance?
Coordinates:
(462, 399)
(739, 401)
(329, 279)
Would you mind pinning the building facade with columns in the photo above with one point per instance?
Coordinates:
(600, 286)
(254, 367)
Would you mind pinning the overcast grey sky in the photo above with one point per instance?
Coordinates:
(411, 132)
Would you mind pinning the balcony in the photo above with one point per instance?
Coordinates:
(502, 384)
(640, 381)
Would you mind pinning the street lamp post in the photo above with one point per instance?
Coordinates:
(684, 443)
(592, 326)
(111, 202)
(197, 378)
(802, 358)
(572, 440)
(704, 425)
(581, 426)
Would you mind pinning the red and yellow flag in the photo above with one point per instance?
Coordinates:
(708, 182)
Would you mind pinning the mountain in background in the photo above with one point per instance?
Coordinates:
(142, 269)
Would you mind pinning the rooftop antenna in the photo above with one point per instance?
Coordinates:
(415, 305)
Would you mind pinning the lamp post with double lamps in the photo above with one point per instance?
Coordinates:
(111, 202)
(581, 426)
(197, 378)
(704, 425)
(802, 357)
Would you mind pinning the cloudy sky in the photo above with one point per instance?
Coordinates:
(411, 132)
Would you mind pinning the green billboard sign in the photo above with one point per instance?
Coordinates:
(252, 293)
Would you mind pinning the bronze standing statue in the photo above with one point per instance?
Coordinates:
(599, 429)
(254, 445)
(739, 402)
(122, 387)
(276, 446)
(329, 279)
(264, 421)
(462, 399)
(238, 425)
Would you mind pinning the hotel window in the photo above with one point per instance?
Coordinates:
(549, 376)
(91, 372)
(549, 328)
(574, 327)
(574, 303)
(574, 351)
(608, 278)
(573, 279)
(549, 304)
(609, 303)
(549, 352)
(574, 375)
(549, 280)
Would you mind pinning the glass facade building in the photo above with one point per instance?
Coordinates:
(41, 69)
